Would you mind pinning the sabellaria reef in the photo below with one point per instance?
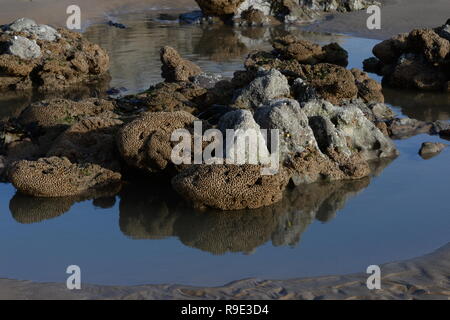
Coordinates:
(331, 123)
(269, 12)
(38, 56)
(417, 60)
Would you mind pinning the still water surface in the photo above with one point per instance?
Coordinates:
(146, 235)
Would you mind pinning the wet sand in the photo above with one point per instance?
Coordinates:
(423, 278)
(397, 16)
(54, 11)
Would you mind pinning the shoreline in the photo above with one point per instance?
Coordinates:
(425, 277)
(397, 16)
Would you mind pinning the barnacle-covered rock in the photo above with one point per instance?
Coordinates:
(58, 177)
(230, 187)
(145, 143)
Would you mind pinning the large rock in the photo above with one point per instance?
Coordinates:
(58, 177)
(416, 60)
(175, 68)
(230, 187)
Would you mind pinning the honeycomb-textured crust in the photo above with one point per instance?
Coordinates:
(92, 140)
(58, 177)
(230, 187)
(175, 68)
(145, 142)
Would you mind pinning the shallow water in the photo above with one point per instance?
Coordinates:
(146, 235)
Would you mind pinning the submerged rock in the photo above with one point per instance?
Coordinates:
(429, 150)
(58, 177)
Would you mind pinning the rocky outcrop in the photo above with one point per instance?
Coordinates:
(316, 71)
(39, 56)
(288, 11)
(416, 60)
(58, 177)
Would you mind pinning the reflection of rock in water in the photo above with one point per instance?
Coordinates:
(155, 213)
(223, 43)
(424, 106)
(27, 210)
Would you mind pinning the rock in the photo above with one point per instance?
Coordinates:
(175, 68)
(268, 85)
(302, 91)
(229, 187)
(388, 51)
(2, 166)
(439, 126)
(331, 82)
(92, 140)
(173, 96)
(287, 116)
(372, 65)
(254, 17)
(287, 11)
(24, 48)
(31, 28)
(304, 51)
(431, 149)
(62, 113)
(368, 89)
(219, 8)
(145, 143)
(244, 125)
(307, 52)
(445, 134)
(416, 60)
(206, 80)
(381, 112)
(430, 44)
(38, 56)
(407, 127)
(58, 177)
(347, 131)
